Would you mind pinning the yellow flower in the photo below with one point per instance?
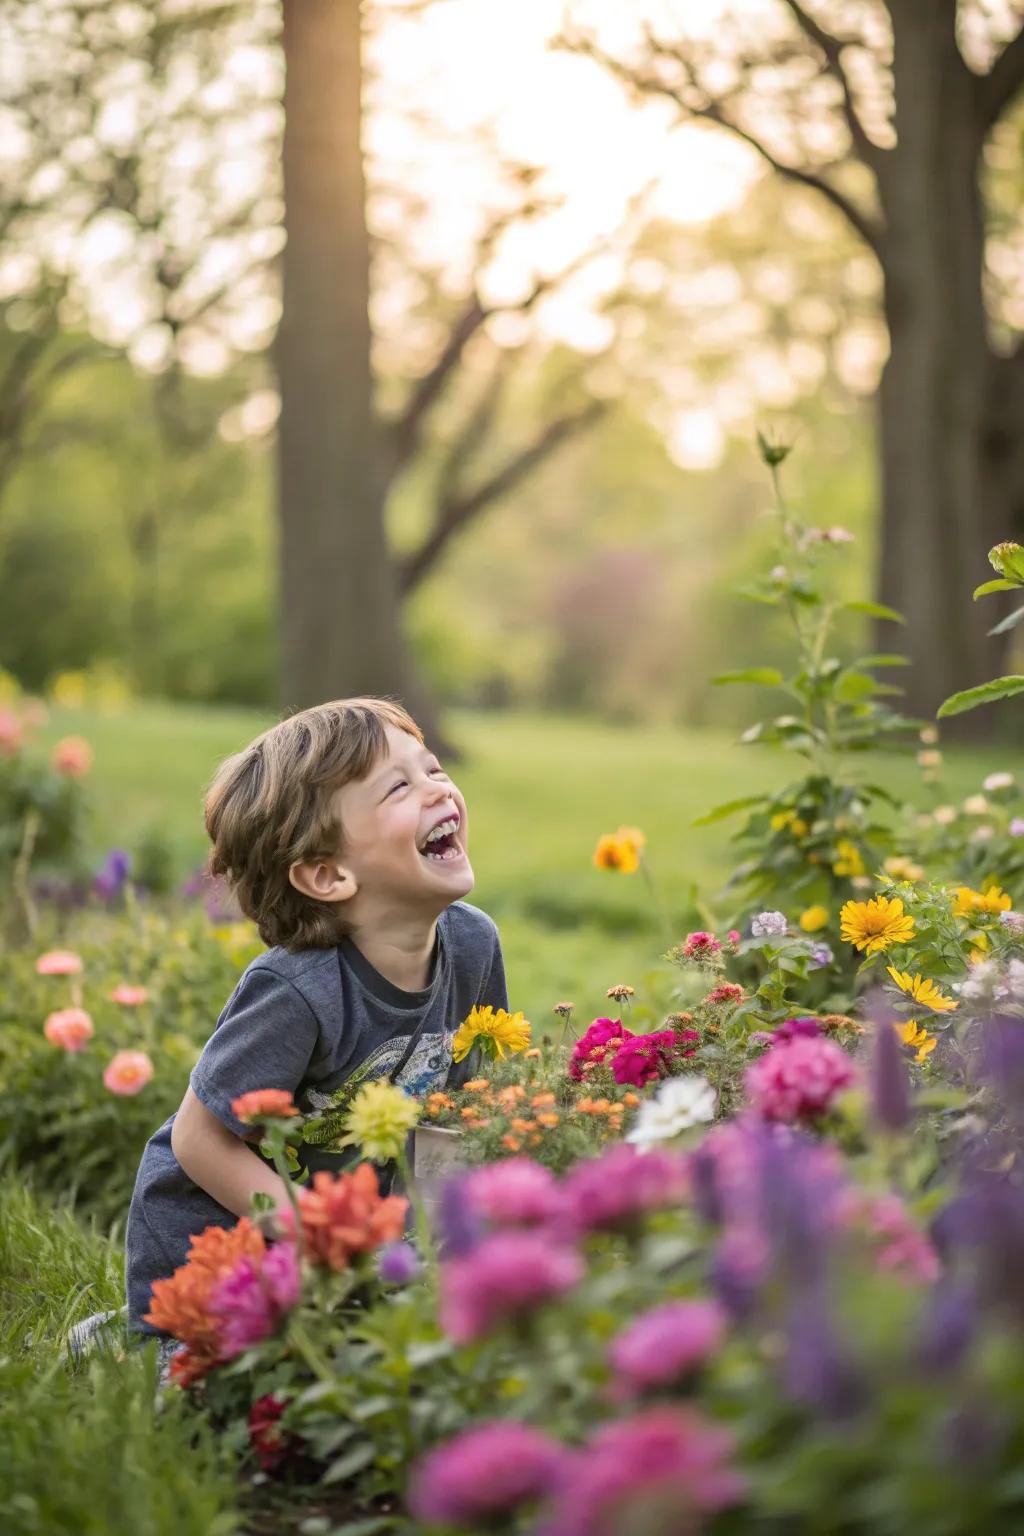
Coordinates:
(902, 868)
(379, 1120)
(917, 1038)
(848, 860)
(874, 925)
(922, 991)
(783, 819)
(813, 919)
(992, 900)
(494, 1031)
(618, 851)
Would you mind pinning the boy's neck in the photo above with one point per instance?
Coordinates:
(402, 956)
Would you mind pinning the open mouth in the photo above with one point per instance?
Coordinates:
(442, 846)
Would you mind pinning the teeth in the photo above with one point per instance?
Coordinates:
(442, 831)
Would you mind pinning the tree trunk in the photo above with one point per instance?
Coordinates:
(340, 628)
(945, 503)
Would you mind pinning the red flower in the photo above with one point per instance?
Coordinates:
(269, 1443)
(264, 1104)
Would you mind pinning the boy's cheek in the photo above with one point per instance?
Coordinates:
(463, 817)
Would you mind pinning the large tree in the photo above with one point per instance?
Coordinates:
(885, 109)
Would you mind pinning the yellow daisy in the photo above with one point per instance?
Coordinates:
(813, 919)
(917, 1038)
(495, 1031)
(874, 925)
(615, 852)
(968, 902)
(922, 991)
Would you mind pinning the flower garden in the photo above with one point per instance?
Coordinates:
(748, 1262)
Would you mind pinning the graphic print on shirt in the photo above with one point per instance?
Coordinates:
(425, 1071)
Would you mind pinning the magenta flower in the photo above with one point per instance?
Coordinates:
(647, 1058)
(798, 1079)
(591, 1048)
(614, 1190)
(664, 1467)
(515, 1192)
(796, 1029)
(504, 1276)
(254, 1296)
(700, 945)
(485, 1474)
(667, 1343)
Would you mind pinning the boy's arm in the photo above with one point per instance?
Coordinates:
(219, 1161)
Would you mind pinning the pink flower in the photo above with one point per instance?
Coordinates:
(485, 1474)
(798, 1079)
(59, 962)
(646, 1058)
(12, 733)
(72, 757)
(70, 1028)
(515, 1192)
(906, 1249)
(505, 1275)
(252, 1298)
(667, 1464)
(614, 1190)
(795, 1029)
(129, 996)
(591, 1047)
(666, 1343)
(128, 1073)
(700, 945)
(734, 937)
(728, 992)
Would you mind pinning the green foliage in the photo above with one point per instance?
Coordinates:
(1008, 560)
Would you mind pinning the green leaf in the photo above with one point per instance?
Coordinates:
(1010, 622)
(728, 808)
(354, 1461)
(855, 685)
(873, 610)
(999, 585)
(886, 660)
(770, 677)
(364, 1527)
(987, 693)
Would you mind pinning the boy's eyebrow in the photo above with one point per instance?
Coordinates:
(393, 767)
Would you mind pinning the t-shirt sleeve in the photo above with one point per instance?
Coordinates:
(265, 1038)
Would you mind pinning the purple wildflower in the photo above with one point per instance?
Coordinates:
(398, 1264)
(889, 1083)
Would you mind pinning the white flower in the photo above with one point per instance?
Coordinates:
(1015, 980)
(945, 815)
(997, 781)
(1013, 922)
(768, 924)
(680, 1104)
(982, 834)
(976, 805)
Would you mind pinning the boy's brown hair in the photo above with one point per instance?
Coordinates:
(274, 805)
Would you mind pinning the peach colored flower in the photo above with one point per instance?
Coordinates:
(128, 1073)
(72, 757)
(70, 1028)
(181, 1304)
(59, 962)
(346, 1214)
(264, 1104)
(11, 733)
(129, 996)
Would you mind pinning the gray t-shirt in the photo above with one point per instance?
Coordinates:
(318, 1023)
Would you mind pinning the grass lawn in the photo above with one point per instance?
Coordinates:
(540, 790)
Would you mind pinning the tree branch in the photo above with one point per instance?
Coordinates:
(714, 109)
(456, 512)
(997, 89)
(832, 48)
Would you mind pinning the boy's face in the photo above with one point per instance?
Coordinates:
(388, 818)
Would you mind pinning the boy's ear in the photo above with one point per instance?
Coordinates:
(323, 881)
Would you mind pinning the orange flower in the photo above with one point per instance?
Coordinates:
(600, 1106)
(470, 1112)
(72, 757)
(128, 1073)
(548, 1119)
(263, 1104)
(521, 1125)
(58, 962)
(533, 1054)
(346, 1214)
(616, 852)
(180, 1304)
(477, 1084)
(510, 1096)
(511, 1143)
(540, 1100)
(129, 996)
(70, 1028)
(632, 1099)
